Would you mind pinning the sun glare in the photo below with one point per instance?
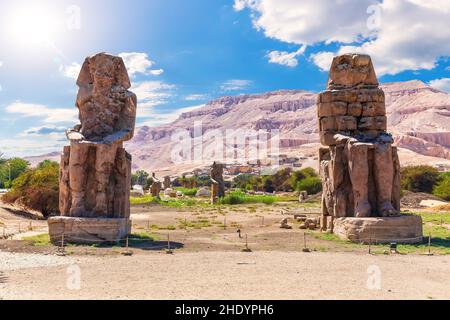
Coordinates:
(32, 26)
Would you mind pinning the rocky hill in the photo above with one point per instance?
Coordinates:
(418, 115)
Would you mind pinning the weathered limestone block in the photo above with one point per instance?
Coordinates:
(401, 229)
(95, 172)
(346, 123)
(355, 109)
(87, 230)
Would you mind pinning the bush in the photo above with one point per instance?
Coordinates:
(419, 178)
(37, 189)
(312, 185)
(188, 192)
(442, 189)
(238, 197)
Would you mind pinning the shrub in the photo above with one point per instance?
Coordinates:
(442, 189)
(188, 192)
(312, 185)
(238, 197)
(419, 178)
(37, 189)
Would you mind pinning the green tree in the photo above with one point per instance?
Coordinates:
(140, 177)
(419, 178)
(312, 185)
(442, 189)
(10, 169)
(37, 189)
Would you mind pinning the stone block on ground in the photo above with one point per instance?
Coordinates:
(401, 229)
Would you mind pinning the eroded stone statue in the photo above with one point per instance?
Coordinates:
(155, 188)
(95, 168)
(360, 168)
(218, 184)
(167, 183)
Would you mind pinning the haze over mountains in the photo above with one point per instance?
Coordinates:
(418, 118)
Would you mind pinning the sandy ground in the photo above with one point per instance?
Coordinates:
(230, 275)
(208, 263)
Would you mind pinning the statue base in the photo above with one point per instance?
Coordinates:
(88, 230)
(401, 229)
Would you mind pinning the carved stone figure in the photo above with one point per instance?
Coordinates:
(218, 184)
(95, 168)
(155, 188)
(167, 183)
(360, 168)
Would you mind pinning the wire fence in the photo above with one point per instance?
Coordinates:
(133, 240)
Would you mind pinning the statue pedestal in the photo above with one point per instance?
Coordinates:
(88, 230)
(401, 229)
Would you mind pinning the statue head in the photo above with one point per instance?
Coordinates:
(103, 71)
(352, 70)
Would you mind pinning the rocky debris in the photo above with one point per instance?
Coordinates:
(310, 223)
(414, 199)
(303, 196)
(203, 192)
(169, 192)
(284, 224)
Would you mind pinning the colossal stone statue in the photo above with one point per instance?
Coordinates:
(95, 168)
(360, 168)
(218, 184)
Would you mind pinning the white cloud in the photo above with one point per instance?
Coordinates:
(285, 58)
(135, 62)
(235, 85)
(156, 72)
(150, 94)
(196, 97)
(71, 71)
(48, 115)
(323, 60)
(159, 118)
(399, 34)
(21, 147)
(442, 84)
(139, 62)
(49, 130)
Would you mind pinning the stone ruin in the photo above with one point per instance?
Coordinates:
(359, 166)
(95, 169)
(167, 183)
(218, 183)
(156, 186)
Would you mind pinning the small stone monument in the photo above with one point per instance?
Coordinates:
(167, 183)
(155, 188)
(359, 166)
(95, 169)
(218, 184)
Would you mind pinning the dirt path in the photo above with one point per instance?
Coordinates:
(233, 275)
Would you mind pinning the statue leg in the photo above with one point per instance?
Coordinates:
(104, 166)
(77, 179)
(384, 178)
(359, 176)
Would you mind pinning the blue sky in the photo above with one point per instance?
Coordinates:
(184, 53)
